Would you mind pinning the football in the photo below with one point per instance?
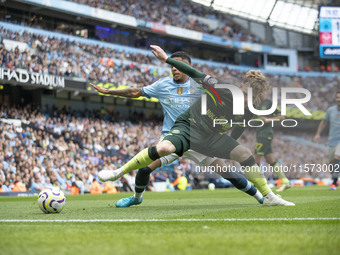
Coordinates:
(51, 200)
(211, 186)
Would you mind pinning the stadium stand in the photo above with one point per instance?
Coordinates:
(184, 14)
(59, 146)
(65, 146)
(64, 55)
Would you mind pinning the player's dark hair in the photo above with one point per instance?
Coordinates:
(181, 54)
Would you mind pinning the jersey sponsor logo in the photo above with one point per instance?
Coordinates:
(179, 91)
(178, 102)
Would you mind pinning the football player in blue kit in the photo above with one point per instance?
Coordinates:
(333, 118)
(175, 94)
(203, 137)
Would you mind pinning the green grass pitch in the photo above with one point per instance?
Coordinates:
(202, 236)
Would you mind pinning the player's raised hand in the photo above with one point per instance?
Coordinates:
(159, 53)
(99, 89)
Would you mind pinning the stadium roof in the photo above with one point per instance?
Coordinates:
(299, 15)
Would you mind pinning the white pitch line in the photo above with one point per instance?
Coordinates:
(170, 220)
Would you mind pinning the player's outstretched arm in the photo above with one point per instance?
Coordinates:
(130, 92)
(321, 126)
(184, 68)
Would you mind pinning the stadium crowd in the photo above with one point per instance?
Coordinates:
(60, 146)
(69, 58)
(184, 14)
(306, 152)
(64, 147)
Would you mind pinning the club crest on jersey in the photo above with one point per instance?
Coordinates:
(179, 90)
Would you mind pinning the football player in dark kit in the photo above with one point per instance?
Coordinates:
(263, 147)
(198, 132)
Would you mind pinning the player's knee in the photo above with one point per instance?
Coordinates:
(240, 153)
(165, 148)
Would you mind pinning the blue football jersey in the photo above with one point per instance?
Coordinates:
(175, 98)
(333, 117)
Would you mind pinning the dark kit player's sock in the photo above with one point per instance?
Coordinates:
(142, 180)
